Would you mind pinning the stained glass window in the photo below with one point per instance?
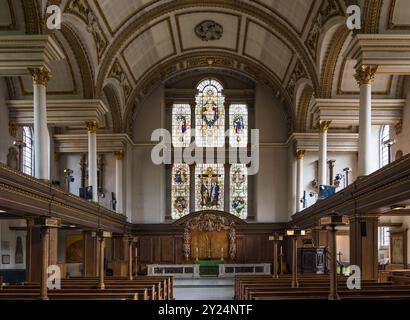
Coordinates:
(209, 187)
(238, 122)
(180, 191)
(28, 151)
(239, 190)
(181, 125)
(210, 114)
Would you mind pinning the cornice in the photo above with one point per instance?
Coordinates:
(346, 111)
(78, 143)
(29, 51)
(60, 112)
(337, 142)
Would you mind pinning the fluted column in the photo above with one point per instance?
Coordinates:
(322, 175)
(119, 157)
(92, 158)
(365, 76)
(40, 77)
(300, 154)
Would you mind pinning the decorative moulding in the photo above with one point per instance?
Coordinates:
(60, 112)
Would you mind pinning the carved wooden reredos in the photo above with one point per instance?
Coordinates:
(210, 221)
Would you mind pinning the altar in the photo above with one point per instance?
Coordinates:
(213, 269)
(209, 267)
(202, 240)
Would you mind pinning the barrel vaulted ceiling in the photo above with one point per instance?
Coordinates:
(120, 50)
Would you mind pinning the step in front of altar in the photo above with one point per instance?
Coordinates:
(221, 270)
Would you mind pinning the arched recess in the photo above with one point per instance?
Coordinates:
(31, 16)
(303, 108)
(329, 32)
(115, 107)
(371, 16)
(82, 59)
(199, 60)
(241, 7)
(332, 48)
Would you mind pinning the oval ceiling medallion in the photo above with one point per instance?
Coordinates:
(209, 30)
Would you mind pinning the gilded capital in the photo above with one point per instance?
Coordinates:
(324, 126)
(300, 154)
(40, 76)
(365, 74)
(92, 126)
(13, 127)
(119, 155)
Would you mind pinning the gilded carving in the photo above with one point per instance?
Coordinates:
(324, 126)
(119, 155)
(92, 126)
(82, 9)
(298, 73)
(13, 127)
(40, 76)
(209, 222)
(328, 10)
(117, 72)
(365, 74)
(300, 154)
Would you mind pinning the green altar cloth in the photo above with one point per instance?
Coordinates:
(209, 268)
(209, 263)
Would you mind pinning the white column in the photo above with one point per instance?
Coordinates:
(364, 76)
(40, 77)
(92, 158)
(322, 174)
(119, 157)
(300, 154)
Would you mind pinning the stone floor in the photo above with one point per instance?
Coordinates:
(204, 289)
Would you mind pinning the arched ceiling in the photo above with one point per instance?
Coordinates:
(122, 49)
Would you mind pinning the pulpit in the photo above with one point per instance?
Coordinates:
(312, 260)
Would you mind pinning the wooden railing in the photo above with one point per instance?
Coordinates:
(374, 193)
(23, 195)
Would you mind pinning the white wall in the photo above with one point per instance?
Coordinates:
(271, 187)
(148, 180)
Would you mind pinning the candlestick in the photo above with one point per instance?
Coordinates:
(222, 254)
(197, 258)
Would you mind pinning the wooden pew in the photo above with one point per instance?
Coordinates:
(313, 287)
(115, 287)
(77, 295)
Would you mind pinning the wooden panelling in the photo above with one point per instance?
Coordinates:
(167, 249)
(145, 250)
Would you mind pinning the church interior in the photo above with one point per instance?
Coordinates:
(219, 149)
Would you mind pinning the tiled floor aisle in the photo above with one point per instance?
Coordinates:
(204, 289)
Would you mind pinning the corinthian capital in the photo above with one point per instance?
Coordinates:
(365, 74)
(40, 76)
(300, 154)
(92, 126)
(324, 126)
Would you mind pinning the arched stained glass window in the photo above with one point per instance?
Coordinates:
(210, 114)
(181, 125)
(238, 122)
(209, 187)
(239, 190)
(28, 151)
(180, 191)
